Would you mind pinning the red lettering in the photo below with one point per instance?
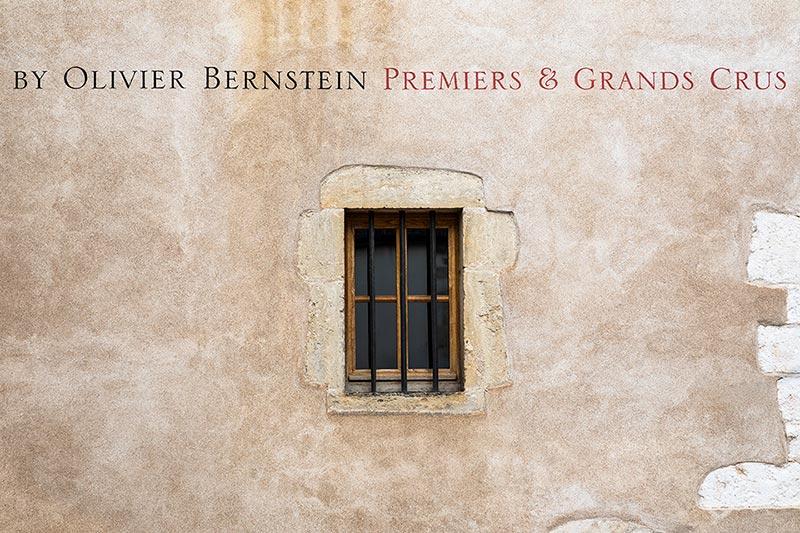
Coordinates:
(444, 83)
(688, 83)
(497, 81)
(387, 87)
(408, 79)
(427, 80)
(578, 78)
(651, 82)
(605, 78)
(780, 77)
(758, 85)
(741, 79)
(664, 81)
(480, 81)
(714, 78)
(625, 80)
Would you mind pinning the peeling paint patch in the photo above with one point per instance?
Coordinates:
(774, 261)
(752, 486)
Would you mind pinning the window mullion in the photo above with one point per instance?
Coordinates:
(373, 367)
(432, 336)
(403, 293)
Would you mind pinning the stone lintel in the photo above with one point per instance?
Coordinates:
(377, 187)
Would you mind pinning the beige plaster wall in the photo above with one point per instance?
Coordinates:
(152, 318)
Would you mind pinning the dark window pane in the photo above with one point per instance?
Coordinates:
(441, 261)
(362, 339)
(386, 331)
(385, 280)
(418, 356)
(385, 335)
(417, 242)
(418, 261)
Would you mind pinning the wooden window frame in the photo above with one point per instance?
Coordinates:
(448, 219)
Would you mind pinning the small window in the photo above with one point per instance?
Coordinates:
(402, 301)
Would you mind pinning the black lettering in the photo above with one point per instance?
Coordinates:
(176, 78)
(94, 81)
(210, 75)
(39, 78)
(275, 83)
(307, 74)
(249, 77)
(125, 81)
(230, 80)
(324, 80)
(158, 79)
(292, 83)
(361, 82)
(19, 77)
(80, 73)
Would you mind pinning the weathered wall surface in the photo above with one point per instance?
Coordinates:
(152, 318)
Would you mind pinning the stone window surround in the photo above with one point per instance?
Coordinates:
(489, 244)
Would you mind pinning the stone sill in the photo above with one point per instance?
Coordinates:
(456, 403)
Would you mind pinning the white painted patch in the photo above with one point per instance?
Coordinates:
(793, 306)
(774, 261)
(789, 402)
(752, 486)
(789, 398)
(779, 349)
(775, 249)
(793, 435)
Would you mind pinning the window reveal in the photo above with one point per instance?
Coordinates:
(396, 341)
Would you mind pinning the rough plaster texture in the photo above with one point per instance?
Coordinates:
(489, 242)
(153, 320)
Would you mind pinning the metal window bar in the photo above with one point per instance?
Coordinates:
(403, 305)
(432, 336)
(373, 367)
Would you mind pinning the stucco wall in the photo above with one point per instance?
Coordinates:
(152, 317)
